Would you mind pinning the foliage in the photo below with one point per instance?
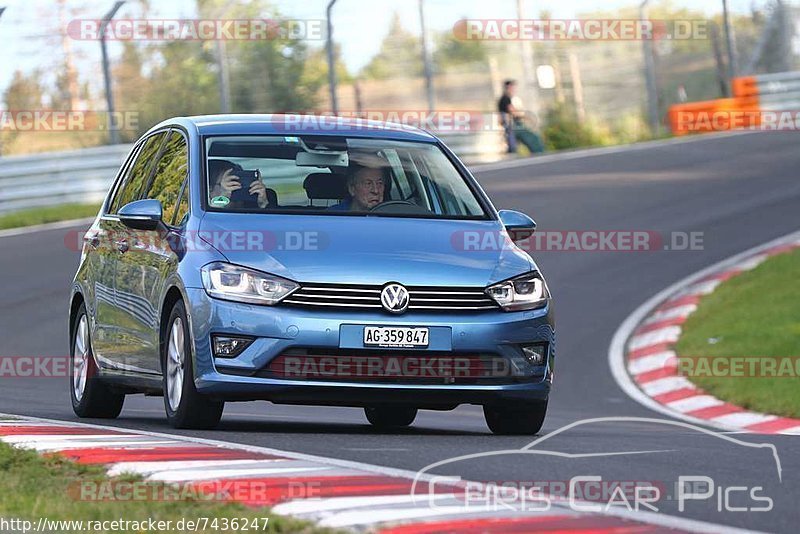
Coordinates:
(25, 92)
(452, 51)
(563, 130)
(400, 54)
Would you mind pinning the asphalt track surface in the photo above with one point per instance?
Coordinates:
(739, 191)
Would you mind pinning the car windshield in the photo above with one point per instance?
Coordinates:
(327, 175)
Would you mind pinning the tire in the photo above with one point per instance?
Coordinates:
(516, 421)
(90, 396)
(185, 407)
(390, 416)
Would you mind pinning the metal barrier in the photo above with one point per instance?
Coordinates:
(752, 95)
(58, 177)
(85, 175)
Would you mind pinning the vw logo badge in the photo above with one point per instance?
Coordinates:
(394, 298)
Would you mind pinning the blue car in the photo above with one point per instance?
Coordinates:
(270, 257)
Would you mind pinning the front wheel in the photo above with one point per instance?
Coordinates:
(185, 406)
(526, 420)
(90, 396)
(387, 417)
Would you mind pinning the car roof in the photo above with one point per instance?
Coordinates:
(298, 125)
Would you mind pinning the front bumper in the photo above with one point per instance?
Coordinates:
(280, 329)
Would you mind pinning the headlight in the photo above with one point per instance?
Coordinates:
(526, 292)
(231, 282)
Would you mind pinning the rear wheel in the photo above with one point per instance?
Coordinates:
(185, 407)
(90, 396)
(507, 420)
(390, 416)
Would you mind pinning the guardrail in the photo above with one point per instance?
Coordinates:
(58, 177)
(85, 175)
(752, 96)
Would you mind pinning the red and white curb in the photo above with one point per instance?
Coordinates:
(346, 495)
(646, 367)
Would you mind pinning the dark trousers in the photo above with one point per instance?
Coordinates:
(518, 133)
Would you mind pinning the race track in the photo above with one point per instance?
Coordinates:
(738, 190)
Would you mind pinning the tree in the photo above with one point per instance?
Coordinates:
(450, 50)
(25, 92)
(400, 54)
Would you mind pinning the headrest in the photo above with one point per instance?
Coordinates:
(325, 186)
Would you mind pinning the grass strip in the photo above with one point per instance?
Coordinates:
(47, 214)
(755, 314)
(34, 486)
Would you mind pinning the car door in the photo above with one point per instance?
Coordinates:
(110, 340)
(148, 261)
(101, 257)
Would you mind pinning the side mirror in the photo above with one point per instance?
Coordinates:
(142, 214)
(518, 225)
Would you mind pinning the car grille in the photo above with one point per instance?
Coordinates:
(421, 298)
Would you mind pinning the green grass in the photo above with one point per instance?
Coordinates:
(756, 313)
(33, 486)
(47, 214)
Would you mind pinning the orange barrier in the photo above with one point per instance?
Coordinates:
(741, 111)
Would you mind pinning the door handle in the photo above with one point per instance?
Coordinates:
(122, 245)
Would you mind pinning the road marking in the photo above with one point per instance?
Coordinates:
(652, 362)
(148, 468)
(674, 312)
(666, 521)
(669, 334)
(696, 402)
(58, 225)
(744, 419)
(665, 385)
(186, 475)
(310, 506)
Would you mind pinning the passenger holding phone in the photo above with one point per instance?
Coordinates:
(226, 178)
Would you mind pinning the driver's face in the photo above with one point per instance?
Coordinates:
(367, 189)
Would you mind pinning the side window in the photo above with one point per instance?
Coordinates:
(139, 173)
(170, 174)
(122, 176)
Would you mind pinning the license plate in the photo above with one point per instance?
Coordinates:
(392, 336)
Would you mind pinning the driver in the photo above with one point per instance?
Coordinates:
(366, 187)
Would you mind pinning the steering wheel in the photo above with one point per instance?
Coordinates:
(399, 206)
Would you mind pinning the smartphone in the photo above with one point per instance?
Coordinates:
(246, 178)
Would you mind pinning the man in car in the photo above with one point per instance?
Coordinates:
(224, 182)
(366, 187)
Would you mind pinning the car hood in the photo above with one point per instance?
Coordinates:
(367, 250)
